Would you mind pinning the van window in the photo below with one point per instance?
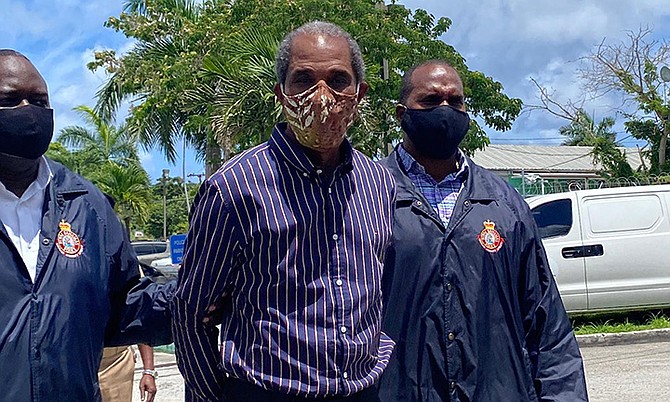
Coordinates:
(554, 218)
(623, 214)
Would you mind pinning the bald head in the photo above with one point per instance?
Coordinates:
(20, 82)
(407, 85)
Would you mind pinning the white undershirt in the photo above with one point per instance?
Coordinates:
(22, 217)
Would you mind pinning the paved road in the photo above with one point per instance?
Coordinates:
(630, 372)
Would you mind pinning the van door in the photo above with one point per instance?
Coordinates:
(629, 235)
(557, 218)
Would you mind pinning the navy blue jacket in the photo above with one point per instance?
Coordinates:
(472, 324)
(52, 333)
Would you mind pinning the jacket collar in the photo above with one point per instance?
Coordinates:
(475, 188)
(66, 184)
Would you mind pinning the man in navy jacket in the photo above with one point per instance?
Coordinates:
(69, 280)
(468, 294)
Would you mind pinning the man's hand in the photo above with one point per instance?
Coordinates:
(148, 381)
(147, 388)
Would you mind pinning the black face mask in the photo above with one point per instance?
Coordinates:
(436, 132)
(26, 131)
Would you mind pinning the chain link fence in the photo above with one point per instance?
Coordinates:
(532, 184)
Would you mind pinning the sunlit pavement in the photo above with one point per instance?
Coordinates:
(622, 372)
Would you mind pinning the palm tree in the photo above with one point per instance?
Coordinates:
(159, 115)
(107, 156)
(100, 140)
(129, 187)
(582, 130)
(237, 92)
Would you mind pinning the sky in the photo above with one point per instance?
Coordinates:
(511, 41)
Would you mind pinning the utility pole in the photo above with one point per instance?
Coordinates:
(164, 179)
(198, 175)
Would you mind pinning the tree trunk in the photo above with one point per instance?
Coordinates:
(663, 145)
(212, 157)
(126, 222)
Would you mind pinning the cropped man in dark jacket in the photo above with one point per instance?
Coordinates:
(69, 281)
(469, 297)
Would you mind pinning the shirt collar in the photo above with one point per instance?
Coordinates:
(44, 175)
(293, 153)
(411, 165)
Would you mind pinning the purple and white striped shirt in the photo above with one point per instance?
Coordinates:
(293, 259)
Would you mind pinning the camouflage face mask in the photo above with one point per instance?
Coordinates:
(320, 116)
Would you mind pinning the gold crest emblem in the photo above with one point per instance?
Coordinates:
(489, 238)
(67, 241)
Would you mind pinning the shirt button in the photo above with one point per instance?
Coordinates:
(46, 241)
(335, 237)
(452, 384)
(343, 330)
(449, 286)
(305, 174)
(345, 375)
(451, 336)
(319, 171)
(339, 282)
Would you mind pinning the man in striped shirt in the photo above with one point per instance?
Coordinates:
(286, 245)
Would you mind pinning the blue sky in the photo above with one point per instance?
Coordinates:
(509, 40)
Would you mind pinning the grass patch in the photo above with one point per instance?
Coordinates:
(165, 348)
(625, 321)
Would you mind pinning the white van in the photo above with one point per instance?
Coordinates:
(608, 248)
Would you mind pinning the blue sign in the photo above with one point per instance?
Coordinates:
(177, 248)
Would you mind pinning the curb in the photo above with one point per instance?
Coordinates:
(652, 335)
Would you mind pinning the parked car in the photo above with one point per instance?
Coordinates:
(608, 248)
(148, 251)
(166, 267)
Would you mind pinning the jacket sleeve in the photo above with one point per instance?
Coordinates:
(139, 308)
(556, 363)
(209, 257)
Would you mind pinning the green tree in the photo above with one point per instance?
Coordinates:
(129, 187)
(107, 156)
(631, 69)
(99, 140)
(583, 130)
(80, 162)
(176, 39)
(177, 214)
(172, 38)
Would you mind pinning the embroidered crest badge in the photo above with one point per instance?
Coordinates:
(489, 238)
(67, 241)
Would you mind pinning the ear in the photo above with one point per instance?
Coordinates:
(362, 90)
(400, 111)
(278, 93)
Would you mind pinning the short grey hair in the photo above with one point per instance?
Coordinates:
(12, 53)
(318, 28)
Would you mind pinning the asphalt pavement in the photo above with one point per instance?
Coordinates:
(630, 367)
